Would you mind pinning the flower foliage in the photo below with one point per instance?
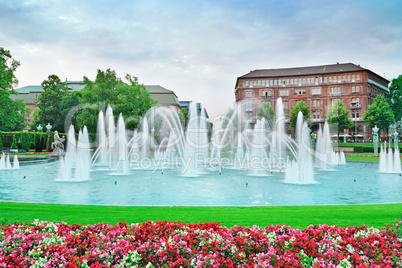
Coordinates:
(170, 244)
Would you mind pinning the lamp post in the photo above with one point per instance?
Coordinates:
(375, 139)
(39, 128)
(48, 127)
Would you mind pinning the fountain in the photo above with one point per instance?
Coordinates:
(5, 162)
(326, 158)
(246, 162)
(76, 164)
(390, 161)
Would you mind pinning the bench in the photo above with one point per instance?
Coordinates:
(344, 149)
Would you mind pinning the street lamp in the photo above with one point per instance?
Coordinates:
(375, 139)
(39, 128)
(48, 127)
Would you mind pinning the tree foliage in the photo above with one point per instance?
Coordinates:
(265, 111)
(183, 115)
(379, 114)
(49, 108)
(394, 97)
(338, 117)
(131, 99)
(304, 108)
(12, 113)
(8, 65)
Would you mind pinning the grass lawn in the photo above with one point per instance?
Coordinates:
(295, 216)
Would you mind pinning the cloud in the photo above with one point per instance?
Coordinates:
(197, 48)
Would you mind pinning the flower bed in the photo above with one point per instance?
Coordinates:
(166, 244)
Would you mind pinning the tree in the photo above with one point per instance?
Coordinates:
(183, 115)
(265, 111)
(338, 117)
(131, 99)
(379, 114)
(304, 108)
(49, 106)
(12, 113)
(8, 65)
(394, 97)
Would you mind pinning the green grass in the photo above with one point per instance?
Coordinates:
(362, 158)
(295, 216)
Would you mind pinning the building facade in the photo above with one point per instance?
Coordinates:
(318, 86)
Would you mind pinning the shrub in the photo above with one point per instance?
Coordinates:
(358, 149)
(14, 144)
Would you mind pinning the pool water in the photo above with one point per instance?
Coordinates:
(354, 183)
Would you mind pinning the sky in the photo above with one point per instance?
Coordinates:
(197, 48)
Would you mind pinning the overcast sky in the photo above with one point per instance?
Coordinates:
(197, 48)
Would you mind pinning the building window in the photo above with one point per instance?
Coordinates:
(339, 78)
(263, 82)
(267, 82)
(259, 82)
(249, 93)
(357, 88)
(316, 91)
(356, 114)
(316, 115)
(358, 77)
(304, 80)
(316, 103)
(344, 78)
(348, 77)
(300, 81)
(279, 82)
(291, 81)
(249, 107)
(308, 80)
(325, 79)
(287, 81)
(271, 82)
(330, 79)
(246, 83)
(255, 83)
(275, 82)
(283, 82)
(316, 80)
(285, 104)
(284, 92)
(266, 93)
(267, 102)
(353, 77)
(353, 88)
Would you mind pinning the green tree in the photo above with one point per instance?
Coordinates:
(49, 106)
(266, 111)
(131, 99)
(338, 117)
(70, 106)
(183, 115)
(394, 97)
(304, 108)
(379, 114)
(12, 113)
(8, 65)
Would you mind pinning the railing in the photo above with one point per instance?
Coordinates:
(355, 106)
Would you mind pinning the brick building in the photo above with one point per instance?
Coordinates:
(318, 86)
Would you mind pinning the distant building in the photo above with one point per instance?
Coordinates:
(30, 95)
(163, 96)
(186, 105)
(318, 86)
